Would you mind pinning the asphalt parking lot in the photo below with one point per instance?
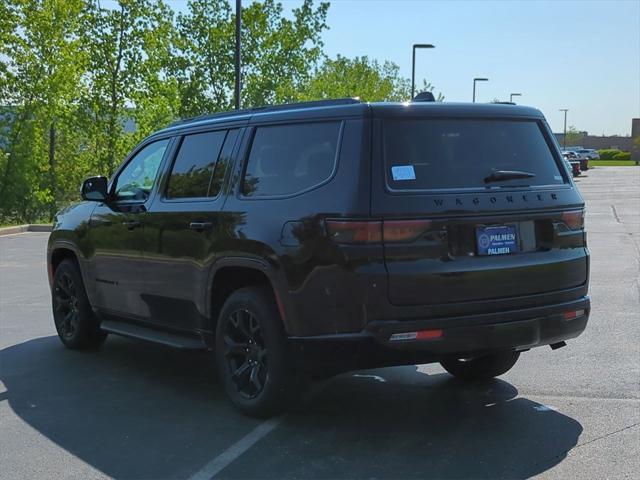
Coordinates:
(136, 410)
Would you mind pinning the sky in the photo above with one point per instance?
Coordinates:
(584, 56)
(580, 55)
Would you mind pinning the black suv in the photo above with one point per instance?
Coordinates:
(304, 240)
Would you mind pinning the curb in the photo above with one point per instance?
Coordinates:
(36, 227)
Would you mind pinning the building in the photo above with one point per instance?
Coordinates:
(635, 134)
(627, 144)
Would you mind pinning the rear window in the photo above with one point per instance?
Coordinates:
(429, 154)
(289, 159)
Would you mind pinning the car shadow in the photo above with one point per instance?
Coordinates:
(137, 410)
(402, 423)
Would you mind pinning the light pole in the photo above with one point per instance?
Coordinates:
(514, 95)
(564, 138)
(413, 65)
(474, 86)
(238, 84)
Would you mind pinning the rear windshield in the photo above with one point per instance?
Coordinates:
(429, 154)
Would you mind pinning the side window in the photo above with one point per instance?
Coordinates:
(136, 181)
(287, 159)
(194, 165)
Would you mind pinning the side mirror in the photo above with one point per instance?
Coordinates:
(94, 189)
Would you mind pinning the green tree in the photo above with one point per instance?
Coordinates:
(203, 63)
(8, 24)
(573, 137)
(278, 53)
(45, 65)
(73, 73)
(130, 46)
(360, 77)
(156, 100)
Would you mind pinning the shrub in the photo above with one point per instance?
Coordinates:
(622, 156)
(608, 153)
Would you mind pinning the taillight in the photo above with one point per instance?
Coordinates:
(375, 231)
(574, 219)
(354, 231)
(403, 230)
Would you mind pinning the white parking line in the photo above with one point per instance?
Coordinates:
(377, 378)
(227, 457)
(545, 408)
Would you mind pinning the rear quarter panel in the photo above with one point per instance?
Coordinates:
(321, 290)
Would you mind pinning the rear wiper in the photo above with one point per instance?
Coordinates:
(502, 175)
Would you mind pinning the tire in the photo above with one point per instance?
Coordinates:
(252, 356)
(481, 368)
(77, 327)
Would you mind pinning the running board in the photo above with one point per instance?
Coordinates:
(150, 335)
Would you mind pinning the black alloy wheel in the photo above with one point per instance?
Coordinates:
(245, 353)
(253, 359)
(73, 316)
(65, 305)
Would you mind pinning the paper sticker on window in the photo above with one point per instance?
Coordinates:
(403, 172)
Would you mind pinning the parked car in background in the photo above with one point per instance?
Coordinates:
(584, 164)
(574, 156)
(588, 153)
(306, 240)
(572, 165)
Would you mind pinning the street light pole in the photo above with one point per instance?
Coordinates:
(514, 95)
(564, 138)
(238, 74)
(474, 86)
(413, 65)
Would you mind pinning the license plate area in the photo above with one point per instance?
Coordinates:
(496, 240)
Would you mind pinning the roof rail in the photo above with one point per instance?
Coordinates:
(269, 108)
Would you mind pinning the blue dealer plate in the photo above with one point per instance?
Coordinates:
(497, 240)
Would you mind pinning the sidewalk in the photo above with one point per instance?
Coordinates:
(35, 227)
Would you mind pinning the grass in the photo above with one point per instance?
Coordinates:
(16, 223)
(612, 163)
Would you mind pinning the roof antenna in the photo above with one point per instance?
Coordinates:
(424, 97)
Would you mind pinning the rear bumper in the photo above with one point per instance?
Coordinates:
(461, 336)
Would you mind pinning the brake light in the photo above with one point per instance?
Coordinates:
(573, 314)
(375, 231)
(403, 230)
(574, 219)
(428, 334)
(354, 231)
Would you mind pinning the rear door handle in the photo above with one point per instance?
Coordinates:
(95, 222)
(131, 224)
(200, 226)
